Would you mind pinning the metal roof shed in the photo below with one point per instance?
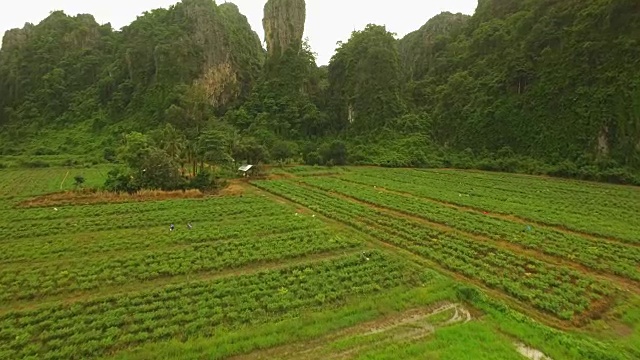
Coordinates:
(246, 170)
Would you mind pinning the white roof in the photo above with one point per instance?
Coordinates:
(245, 168)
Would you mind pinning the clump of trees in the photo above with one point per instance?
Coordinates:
(328, 154)
(167, 159)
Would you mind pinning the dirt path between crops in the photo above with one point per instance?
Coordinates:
(512, 218)
(404, 327)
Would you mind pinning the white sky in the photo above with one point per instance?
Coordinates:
(328, 21)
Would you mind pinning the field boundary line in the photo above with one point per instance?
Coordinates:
(421, 261)
(502, 216)
(133, 288)
(629, 284)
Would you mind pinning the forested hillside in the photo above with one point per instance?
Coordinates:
(69, 72)
(550, 79)
(537, 86)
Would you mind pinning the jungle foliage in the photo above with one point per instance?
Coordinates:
(535, 86)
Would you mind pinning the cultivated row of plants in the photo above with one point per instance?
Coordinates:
(228, 204)
(114, 242)
(602, 255)
(98, 327)
(579, 198)
(27, 281)
(573, 211)
(555, 289)
(75, 220)
(531, 184)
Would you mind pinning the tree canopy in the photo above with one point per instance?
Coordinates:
(554, 81)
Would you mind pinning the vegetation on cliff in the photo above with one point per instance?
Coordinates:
(533, 86)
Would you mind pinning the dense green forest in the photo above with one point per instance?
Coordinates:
(538, 86)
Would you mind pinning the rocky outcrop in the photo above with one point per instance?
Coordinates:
(231, 50)
(138, 72)
(283, 24)
(417, 48)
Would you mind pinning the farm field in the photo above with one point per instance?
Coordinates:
(318, 263)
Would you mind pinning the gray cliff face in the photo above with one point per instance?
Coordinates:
(283, 24)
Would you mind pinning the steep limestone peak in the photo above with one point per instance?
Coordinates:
(283, 24)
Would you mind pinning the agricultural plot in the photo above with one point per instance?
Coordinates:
(29, 182)
(317, 263)
(305, 171)
(558, 290)
(602, 210)
(600, 254)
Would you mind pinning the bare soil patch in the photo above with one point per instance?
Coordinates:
(233, 189)
(531, 353)
(101, 197)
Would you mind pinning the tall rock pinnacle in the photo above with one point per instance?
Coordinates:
(283, 24)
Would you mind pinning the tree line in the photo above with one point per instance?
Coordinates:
(530, 86)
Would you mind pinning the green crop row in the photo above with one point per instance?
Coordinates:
(606, 219)
(543, 186)
(58, 247)
(26, 281)
(580, 200)
(554, 289)
(614, 258)
(179, 215)
(219, 204)
(98, 327)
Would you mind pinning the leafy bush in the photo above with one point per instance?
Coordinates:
(565, 169)
(205, 181)
(78, 181)
(467, 294)
(70, 162)
(109, 155)
(34, 164)
(120, 181)
(284, 150)
(312, 158)
(44, 151)
(334, 153)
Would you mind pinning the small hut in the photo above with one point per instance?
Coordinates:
(246, 170)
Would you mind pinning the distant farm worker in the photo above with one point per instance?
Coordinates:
(171, 227)
(189, 226)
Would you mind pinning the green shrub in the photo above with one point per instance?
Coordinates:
(70, 162)
(334, 153)
(312, 158)
(120, 181)
(44, 151)
(34, 164)
(109, 155)
(205, 181)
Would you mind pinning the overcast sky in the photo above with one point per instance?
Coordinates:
(328, 21)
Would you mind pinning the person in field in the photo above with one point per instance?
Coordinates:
(171, 227)
(189, 226)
